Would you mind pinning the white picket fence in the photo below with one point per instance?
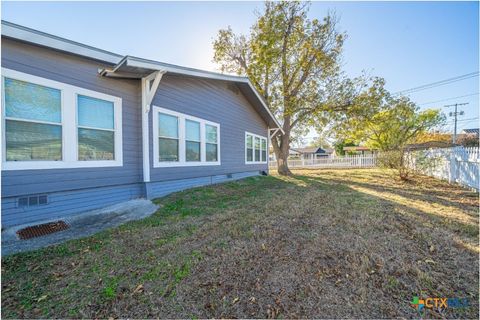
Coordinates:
(360, 161)
(457, 165)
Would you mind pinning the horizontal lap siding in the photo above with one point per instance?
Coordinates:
(163, 188)
(83, 73)
(77, 190)
(210, 100)
(63, 204)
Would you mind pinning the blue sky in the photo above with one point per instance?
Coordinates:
(407, 43)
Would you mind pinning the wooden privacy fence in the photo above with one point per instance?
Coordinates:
(457, 165)
(360, 161)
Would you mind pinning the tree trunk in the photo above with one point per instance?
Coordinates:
(282, 164)
(281, 147)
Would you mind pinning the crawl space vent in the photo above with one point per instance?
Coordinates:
(41, 230)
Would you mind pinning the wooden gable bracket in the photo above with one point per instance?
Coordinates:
(150, 84)
(273, 132)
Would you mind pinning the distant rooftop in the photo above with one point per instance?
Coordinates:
(313, 150)
(471, 131)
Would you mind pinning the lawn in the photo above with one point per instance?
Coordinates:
(319, 244)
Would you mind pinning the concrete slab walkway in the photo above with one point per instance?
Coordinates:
(81, 225)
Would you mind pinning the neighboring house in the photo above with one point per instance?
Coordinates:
(471, 132)
(292, 154)
(84, 128)
(311, 153)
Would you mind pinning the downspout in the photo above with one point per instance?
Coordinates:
(149, 87)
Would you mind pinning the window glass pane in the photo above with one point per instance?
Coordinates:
(31, 101)
(264, 150)
(167, 126)
(95, 113)
(211, 133)
(257, 149)
(32, 141)
(168, 149)
(249, 141)
(95, 144)
(211, 152)
(192, 129)
(249, 155)
(192, 151)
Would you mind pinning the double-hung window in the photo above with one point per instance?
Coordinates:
(264, 149)
(211, 133)
(249, 147)
(168, 138)
(33, 121)
(192, 141)
(96, 129)
(255, 148)
(49, 124)
(184, 140)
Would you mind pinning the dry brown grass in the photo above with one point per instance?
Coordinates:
(320, 244)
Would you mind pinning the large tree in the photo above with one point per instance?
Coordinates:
(387, 123)
(294, 63)
(383, 121)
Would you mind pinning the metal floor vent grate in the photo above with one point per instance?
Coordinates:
(41, 230)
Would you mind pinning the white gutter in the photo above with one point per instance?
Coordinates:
(131, 61)
(149, 87)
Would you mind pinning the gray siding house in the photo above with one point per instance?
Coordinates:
(83, 128)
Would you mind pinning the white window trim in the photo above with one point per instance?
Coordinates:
(253, 141)
(69, 126)
(182, 140)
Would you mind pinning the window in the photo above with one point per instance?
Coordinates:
(249, 148)
(255, 148)
(168, 137)
(33, 122)
(211, 143)
(264, 149)
(49, 124)
(191, 141)
(96, 134)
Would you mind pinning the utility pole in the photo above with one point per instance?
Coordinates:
(454, 114)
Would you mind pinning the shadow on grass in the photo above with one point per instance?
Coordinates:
(428, 218)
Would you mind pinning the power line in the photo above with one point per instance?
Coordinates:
(447, 99)
(469, 119)
(438, 83)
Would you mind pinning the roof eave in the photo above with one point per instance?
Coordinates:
(21, 33)
(150, 66)
(17, 32)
